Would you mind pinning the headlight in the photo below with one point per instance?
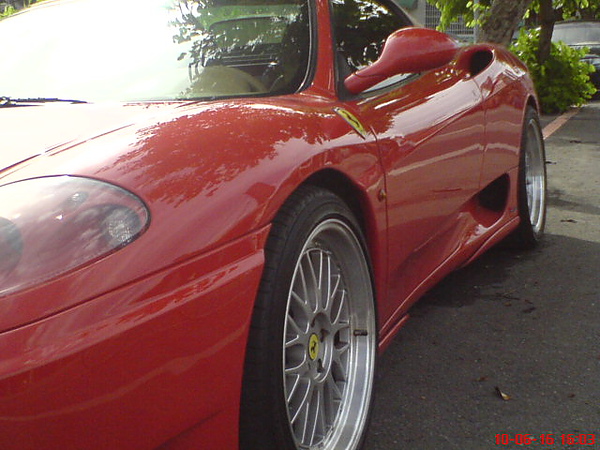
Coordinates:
(49, 226)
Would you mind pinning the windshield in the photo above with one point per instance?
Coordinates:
(131, 50)
(577, 34)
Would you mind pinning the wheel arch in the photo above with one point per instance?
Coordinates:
(533, 102)
(364, 208)
(367, 208)
(342, 186)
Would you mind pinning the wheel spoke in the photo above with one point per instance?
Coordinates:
(325, 282)
(294, 333)
(300, 311)
(314, 418)
(333, 396)
(330, 405)
(292, 383)
(300, 404)
(321, 267)
(314, 278)
(295, 349)
(339, 308)
(340, 361)
(305, 297)
(296, 365)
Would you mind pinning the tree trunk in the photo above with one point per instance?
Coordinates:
(503, 19)
(546, 20)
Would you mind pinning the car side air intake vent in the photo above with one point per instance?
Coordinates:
(480, 59)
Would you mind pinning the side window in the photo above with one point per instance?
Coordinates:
(360, 30)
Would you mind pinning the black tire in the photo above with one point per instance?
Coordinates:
(532, 185)
(310, 360)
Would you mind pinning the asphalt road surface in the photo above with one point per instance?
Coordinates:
(509, 347)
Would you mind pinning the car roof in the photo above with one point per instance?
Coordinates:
(577, 23)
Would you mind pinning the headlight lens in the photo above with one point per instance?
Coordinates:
(51, 225)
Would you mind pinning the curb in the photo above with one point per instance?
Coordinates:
(555, 125)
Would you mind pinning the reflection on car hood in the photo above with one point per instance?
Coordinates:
(29, 131)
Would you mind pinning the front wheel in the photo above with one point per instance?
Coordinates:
(308, 380)
(532, 188)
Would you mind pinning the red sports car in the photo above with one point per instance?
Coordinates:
(215, 214)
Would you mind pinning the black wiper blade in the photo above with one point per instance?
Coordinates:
(8, 101)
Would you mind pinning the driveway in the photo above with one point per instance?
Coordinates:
(511, 344)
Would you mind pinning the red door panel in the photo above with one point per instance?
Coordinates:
(503, 98)
(431, 136)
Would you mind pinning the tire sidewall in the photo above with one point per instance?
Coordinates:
(310, 207)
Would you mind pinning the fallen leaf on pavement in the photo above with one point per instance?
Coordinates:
(501, 394)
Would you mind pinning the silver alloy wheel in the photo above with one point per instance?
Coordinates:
(535, 176)
(329, 340)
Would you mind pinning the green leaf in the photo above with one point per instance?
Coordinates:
(563, 80)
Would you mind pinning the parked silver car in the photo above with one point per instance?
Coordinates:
(580, 34)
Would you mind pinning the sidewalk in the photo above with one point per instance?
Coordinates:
(588, 113)
(573, 156)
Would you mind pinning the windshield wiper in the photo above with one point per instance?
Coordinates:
(7, 101)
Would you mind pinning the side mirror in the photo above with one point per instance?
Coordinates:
(409, 50)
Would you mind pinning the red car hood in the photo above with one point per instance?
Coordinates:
(28, 131)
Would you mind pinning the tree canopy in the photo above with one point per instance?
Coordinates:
(499, 19)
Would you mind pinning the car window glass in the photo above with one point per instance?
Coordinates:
(96, 50)
(361, 28)
(577, 34)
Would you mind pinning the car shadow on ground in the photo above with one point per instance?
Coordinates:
(507, 345)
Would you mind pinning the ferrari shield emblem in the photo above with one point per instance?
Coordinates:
(353, 121)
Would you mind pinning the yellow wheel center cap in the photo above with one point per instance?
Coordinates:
(313, 347)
